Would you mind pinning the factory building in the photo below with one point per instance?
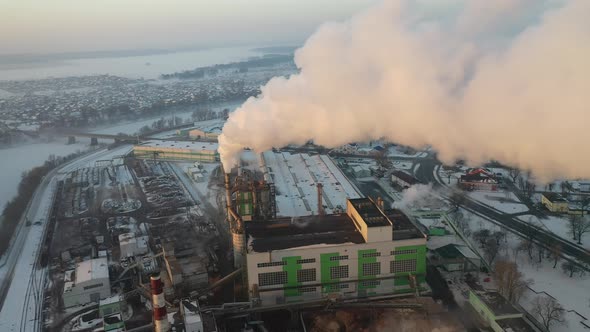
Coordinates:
(173, 150)
(364, 252)
(209, 134)
(403, 179)
(89, 282)
(554, 202)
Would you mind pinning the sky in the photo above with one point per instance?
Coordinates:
(57, 26)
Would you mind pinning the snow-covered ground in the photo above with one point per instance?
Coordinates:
(571, 293)
(296, 176)
(404, 165)
(504, 201)
(16, 160)
(559, 226)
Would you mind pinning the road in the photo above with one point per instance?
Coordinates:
(427, 174)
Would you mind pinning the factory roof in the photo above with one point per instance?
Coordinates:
(370, 213)
(403, 228)
(187, 145)
(407, 178)
(286, 233)
(515, 325)
(497, 303)
(295, 177)
(92, 269)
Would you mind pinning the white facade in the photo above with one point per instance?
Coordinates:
(351, 261)
(88, 283)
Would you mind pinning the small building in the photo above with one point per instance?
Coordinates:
(88, 283)
(191, 316)
(403, 179)
(452, 257)
(130, 245)
(479, 179)
(554, 202)
(497, 312)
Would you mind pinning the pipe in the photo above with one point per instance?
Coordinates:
(320, 203)
(159, 304)
(228, 197)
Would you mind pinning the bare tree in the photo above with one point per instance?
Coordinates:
(555, 253)
(499, 235)
(527, 245)
(462, 223)
(540, 252)
(514, 174)
(529, 189)
(510, 281)
(579, 225)
(457, 198)
(482, 236)
(491, 249)
(548, 310)
(571, 268)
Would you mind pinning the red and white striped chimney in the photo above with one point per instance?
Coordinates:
(159, 304)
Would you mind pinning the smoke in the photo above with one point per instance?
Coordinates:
(420, 193)
(477, 80)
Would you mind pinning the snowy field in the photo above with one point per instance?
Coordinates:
(558, 226)
(502, 201)
(403, 165)
(16, 160)
(296, 176)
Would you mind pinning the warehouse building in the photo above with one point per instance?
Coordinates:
(361, 253)
(403, 179)
(89, 282)
(181, 150)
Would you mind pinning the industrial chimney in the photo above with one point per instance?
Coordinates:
(320, 203)
(159, 305)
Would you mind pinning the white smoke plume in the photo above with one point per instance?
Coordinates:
(420, 193)
(477, 79)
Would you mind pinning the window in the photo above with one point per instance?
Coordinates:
(403, 252)
(371, 269)
(305, 275)
(307, 289)
(337, 287)
(306, 260)
(371, 254)
(272, 278)
(339, 258)
(370, 283)
(337, 272)
(93, 286)
(272, 264)
(406, 265)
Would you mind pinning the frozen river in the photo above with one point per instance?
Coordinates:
(146, 66)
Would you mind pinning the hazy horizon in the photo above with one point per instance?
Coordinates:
(66, 26)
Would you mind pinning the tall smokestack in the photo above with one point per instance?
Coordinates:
(321, 211)
(159, 305)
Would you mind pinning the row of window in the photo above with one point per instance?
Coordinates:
(306, 260)
(339, 258)
(93, 286)
(404, 252)
(336, 272)
(269, 264)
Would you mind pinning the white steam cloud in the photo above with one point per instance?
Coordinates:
(477, 79)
